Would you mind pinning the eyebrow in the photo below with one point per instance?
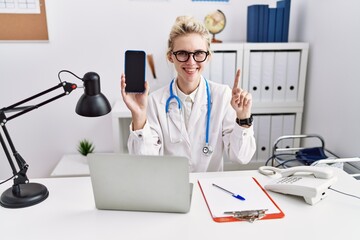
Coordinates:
(197, 50)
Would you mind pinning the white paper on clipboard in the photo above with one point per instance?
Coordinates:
(219, 201)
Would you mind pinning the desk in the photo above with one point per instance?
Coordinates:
(71, 165)
(75, 165)
(70, 213)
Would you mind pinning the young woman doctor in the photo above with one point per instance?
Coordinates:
(192, 116)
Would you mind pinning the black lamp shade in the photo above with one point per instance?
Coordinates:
(92, 103)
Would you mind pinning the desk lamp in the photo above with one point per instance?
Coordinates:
(91, 104)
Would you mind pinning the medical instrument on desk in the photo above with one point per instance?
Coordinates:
(248, 215)
(311, 183)
(237, 196)
(207, 149)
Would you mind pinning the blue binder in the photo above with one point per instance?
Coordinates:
(285, 4)
(286, 21)
(271, 25)
(252, 23)
(262, 32)
(279, 24)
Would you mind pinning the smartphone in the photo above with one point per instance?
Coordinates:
(135, 63)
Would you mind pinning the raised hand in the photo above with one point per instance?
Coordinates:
(241, 100)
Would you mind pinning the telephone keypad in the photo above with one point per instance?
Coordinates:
(287, 180)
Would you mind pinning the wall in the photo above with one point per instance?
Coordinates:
(332, 95)
(89, 35)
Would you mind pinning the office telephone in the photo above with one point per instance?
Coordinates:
(311, 183)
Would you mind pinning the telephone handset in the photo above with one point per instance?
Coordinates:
(310, 182)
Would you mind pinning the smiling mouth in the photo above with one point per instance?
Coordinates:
(190, 70)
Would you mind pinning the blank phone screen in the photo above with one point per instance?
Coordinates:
(135, 71)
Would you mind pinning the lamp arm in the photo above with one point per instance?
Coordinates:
(68, 88)
(20, 176)
(8, 156)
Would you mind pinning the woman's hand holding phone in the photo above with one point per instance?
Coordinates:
(136, 103)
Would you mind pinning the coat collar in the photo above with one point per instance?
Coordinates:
(201, 92)
(199, 108)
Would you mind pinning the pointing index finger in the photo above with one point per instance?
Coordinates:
(237, 79)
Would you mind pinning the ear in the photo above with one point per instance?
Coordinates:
(169, 56)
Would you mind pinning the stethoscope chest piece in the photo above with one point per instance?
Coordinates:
(207, 150)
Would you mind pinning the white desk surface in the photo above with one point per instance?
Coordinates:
(71, 165)
(70, 213)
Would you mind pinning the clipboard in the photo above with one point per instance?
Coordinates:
(224, 207)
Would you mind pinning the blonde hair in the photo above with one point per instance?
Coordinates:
(186, 25)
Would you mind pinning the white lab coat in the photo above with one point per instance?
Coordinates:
(225, 135)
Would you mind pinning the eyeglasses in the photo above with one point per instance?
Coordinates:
(198, 56)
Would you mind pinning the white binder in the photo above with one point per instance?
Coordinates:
(263, 147)
(255, 75)
(229, 68)
(276, 129)
(292, 81)
(266, 92)
(206, 72)
(216, 67)
(280, 66)
(288, 129)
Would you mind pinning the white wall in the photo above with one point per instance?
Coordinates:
(332, 105)
(89, 35)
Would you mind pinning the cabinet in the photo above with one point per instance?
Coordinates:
(121, 119)
(274, 73)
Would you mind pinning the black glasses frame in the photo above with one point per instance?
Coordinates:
(188, 55)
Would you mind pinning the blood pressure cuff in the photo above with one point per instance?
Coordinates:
(309, 155)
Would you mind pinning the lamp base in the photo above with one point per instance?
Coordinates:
(29, 194)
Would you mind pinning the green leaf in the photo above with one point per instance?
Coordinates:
(85, 147)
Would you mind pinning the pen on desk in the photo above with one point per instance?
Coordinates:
(232, 194)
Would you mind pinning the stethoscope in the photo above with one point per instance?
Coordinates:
(207, 149)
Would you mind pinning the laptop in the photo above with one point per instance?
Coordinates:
(140, 183)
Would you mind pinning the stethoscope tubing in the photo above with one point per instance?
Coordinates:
(208, 113)
(173, 96)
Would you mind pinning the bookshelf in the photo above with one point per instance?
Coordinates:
(275, 74)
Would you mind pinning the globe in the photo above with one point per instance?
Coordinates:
(215, 22)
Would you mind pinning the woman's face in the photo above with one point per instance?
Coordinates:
(189, 72)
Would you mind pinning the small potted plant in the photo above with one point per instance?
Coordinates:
(85, 147)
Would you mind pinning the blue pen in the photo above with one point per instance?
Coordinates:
(232, 194)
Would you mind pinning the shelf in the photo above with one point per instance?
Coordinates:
(120, 110)
(279, 107)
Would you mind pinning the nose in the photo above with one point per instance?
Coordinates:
(191, 58)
